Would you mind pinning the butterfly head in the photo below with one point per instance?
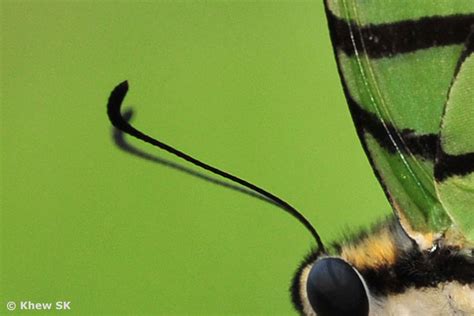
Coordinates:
(384, 272)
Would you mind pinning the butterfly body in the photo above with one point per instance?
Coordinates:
(407, 70)
(400, 278)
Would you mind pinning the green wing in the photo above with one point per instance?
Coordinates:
(397, 60)
(454, 169)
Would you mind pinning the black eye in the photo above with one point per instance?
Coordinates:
(335, 288)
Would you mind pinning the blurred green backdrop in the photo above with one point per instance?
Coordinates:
(250, 87)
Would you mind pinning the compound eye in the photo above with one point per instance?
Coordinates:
(335, 288)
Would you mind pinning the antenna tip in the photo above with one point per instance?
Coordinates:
(115, 101)
(122, 86)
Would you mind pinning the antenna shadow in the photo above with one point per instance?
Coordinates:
(119, 140)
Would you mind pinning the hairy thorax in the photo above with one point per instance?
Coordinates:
(400, 278)
(446, 299)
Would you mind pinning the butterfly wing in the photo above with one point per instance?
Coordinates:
(397, 60)
(454, 168)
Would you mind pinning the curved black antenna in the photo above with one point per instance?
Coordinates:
(118, 137)
(113, 111)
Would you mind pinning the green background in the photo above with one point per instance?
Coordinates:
(250, 87)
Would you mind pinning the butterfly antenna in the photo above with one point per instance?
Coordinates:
(113, 111)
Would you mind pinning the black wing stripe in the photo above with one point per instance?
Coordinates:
(423, 146)
(453, 165)
(468, 50)
(387, 40)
